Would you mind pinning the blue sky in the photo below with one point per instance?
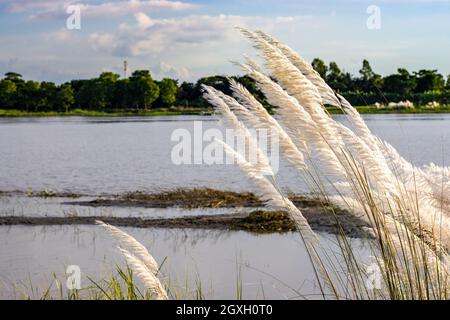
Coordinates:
(188, 39)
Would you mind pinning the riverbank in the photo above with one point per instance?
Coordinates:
(173, 111)
(177, 111)
(375, 110)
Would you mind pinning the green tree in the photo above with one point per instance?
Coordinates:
(369, 79)
(109, 76)
(76, 86)
(106, 85)
(336, 78)
(98, 93)
(251, 86)
(13, 76)
(47, 96)
(320, 67)
(168, 89)
(144, 90)
(88, 96)
(429, 80)
(218, 82)
(8, 91)
(366, 71)
(402, 82)
(29, 96)
(64, 97)
(122, 94)
(187, 95)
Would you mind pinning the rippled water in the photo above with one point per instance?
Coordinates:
(114, 155)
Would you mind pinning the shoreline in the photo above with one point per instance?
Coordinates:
(180, 111)
(117, 113)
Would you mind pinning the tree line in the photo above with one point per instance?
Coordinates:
(140, 91)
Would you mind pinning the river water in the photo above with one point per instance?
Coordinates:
(96, 156)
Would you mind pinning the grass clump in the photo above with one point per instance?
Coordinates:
(266, 222)
(195, 198)
(186, 198)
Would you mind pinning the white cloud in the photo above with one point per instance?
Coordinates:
(167, 70)
(132, 6)
(60, 35)
(50, 9)
(100, 41)
(143, 20)
(28, 5)
(151, 36)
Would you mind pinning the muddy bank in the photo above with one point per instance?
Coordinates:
(41, 194)
(256, 221)
(184, 198)
(321, 216)
(191, 198)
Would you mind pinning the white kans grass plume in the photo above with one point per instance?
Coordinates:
(430, 197)
(327, 131)
(248, 145)
(413, 178)
(131, 244)
(147, 277)
(406, 206)
(439, 180)
(438, 172)
(332, 98)
(282, 64)
(327, 94)
(298, 123)
(138, 259)
(271, 195)
(255, 115)
(256, 172)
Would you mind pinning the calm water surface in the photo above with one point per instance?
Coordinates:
(113, 155)
(30, 255)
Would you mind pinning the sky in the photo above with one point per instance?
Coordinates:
(188, 39)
